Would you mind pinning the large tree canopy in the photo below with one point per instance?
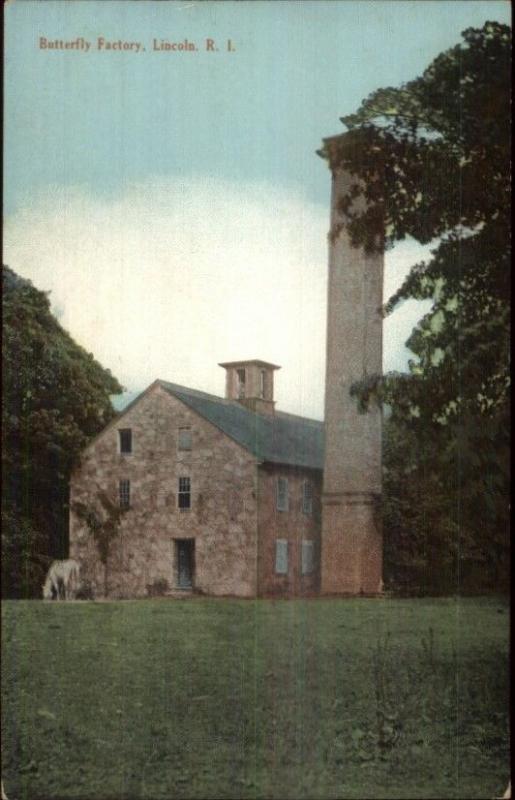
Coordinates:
(433, 157)
(55, 398)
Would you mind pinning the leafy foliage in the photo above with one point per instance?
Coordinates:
(104, 525)
(24, 559)
(444, 509)
(433, 158)
(55, 398)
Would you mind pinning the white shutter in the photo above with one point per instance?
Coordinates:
(282, 494)
(281, 556)
(307, 557)
(184, 438)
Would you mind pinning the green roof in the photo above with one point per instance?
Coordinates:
(279, 438)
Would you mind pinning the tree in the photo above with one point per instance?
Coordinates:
(55, 398)
(445, 523)
(434, 158)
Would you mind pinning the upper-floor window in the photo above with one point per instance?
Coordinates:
(308, 558)
(125, 435)
(241, 382)
(307, 497)
(125, 494)
(184, 438)
(282, 494)
(184, 496)
(281, 556)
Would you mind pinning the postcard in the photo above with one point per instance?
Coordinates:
(255, 400)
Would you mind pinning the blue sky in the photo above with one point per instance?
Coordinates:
(92, 136)
(102, 120)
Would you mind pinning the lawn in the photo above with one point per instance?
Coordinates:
(211, 698)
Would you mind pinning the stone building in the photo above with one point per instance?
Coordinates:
(220, 495)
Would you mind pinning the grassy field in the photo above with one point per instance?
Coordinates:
(208, 698)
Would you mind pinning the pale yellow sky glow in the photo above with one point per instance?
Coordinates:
(172, 278)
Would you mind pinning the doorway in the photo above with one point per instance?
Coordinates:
(185, 562)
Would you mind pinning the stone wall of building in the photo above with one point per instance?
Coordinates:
(293, 525)
(222, 518)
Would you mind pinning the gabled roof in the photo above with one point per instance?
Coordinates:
(279, 438)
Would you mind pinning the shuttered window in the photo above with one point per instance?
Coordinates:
(308, 558)
(184, 438)
(282, 494)
(281, 556)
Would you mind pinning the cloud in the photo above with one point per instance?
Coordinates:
(174, 277)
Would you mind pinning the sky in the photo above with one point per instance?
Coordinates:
(171, 201)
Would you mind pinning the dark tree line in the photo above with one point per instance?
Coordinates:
(55, 397)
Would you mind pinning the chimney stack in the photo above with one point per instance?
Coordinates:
(351, 550)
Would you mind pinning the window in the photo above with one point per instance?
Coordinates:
(184, 438)
(262, 384)
(307, 497)
(184, 496)
(125, 440)
(281, 556)
(308, 559)
(125, 494)
(282, 494)
(241, 382)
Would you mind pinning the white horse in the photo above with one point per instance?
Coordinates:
(62, 581)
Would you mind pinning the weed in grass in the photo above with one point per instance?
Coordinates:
(413, 696)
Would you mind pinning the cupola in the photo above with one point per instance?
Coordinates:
(251, 383)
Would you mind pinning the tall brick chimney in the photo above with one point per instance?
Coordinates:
(351, 551)
(251, 383)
